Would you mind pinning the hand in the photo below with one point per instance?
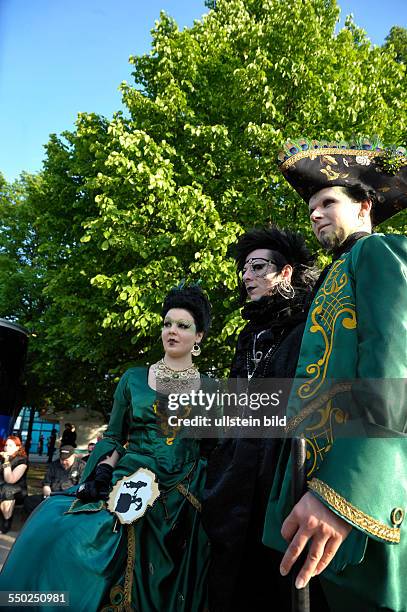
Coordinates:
(96, 489)
(46, 491)
(311, 520)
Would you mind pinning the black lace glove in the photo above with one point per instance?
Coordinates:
(98, 488)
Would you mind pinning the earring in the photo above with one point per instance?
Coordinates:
(285, 289)
(196, 350)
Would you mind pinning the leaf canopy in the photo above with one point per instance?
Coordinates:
(126, 207)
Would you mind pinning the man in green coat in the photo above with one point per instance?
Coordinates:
(349, 400)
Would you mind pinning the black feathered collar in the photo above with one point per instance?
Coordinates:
(276, 311)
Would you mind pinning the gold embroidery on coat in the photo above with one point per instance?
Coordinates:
(354, 515)
(315, 404)
(332, 307)
(321, 438)
(330, 304)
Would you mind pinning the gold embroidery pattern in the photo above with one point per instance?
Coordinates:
(116, 596)
(321, 438)
(332, 307)
(120, 596)
(191, 498)
(314, 153)
(169, 432)
(354, 515)
(128, 576)
(330, 304)
(316, 404)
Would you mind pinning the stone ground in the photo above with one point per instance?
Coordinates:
(36, 472)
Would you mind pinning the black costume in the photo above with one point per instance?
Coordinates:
(60, 479)
(68, 438)
(240, 471)
(9, 491)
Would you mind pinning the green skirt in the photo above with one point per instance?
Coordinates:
(158, 564)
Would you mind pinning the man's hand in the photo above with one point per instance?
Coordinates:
(311, 520)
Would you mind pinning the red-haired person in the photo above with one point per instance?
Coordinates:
(13, 470)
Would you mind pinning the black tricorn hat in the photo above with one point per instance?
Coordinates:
(311, 165)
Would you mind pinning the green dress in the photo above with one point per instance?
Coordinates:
(158, 564)
(351, 405)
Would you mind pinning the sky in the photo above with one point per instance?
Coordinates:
(61, 57)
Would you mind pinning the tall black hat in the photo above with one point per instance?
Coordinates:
(311, 165)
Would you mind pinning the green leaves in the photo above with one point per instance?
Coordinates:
(127, 207)
(396, 42)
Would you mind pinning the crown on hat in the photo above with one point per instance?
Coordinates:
(311, 165)
(304, 147)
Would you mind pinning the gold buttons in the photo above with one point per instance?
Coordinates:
(397, 516)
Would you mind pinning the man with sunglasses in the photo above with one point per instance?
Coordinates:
(276, 276)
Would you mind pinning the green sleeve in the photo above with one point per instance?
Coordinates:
(116, 434)
(364, 481)
(118, 427)
(381, 307)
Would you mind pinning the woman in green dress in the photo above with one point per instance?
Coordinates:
(158, 563)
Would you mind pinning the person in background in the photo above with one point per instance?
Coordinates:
(62, 474)
(69, 435)
(40, 445)
(51, 444)
(13, 471)
(91, 446)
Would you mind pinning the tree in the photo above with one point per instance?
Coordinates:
(20, 279)
(53, 375)
(128, 207)
(396, 41)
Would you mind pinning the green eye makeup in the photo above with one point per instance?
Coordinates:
(181, 323)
